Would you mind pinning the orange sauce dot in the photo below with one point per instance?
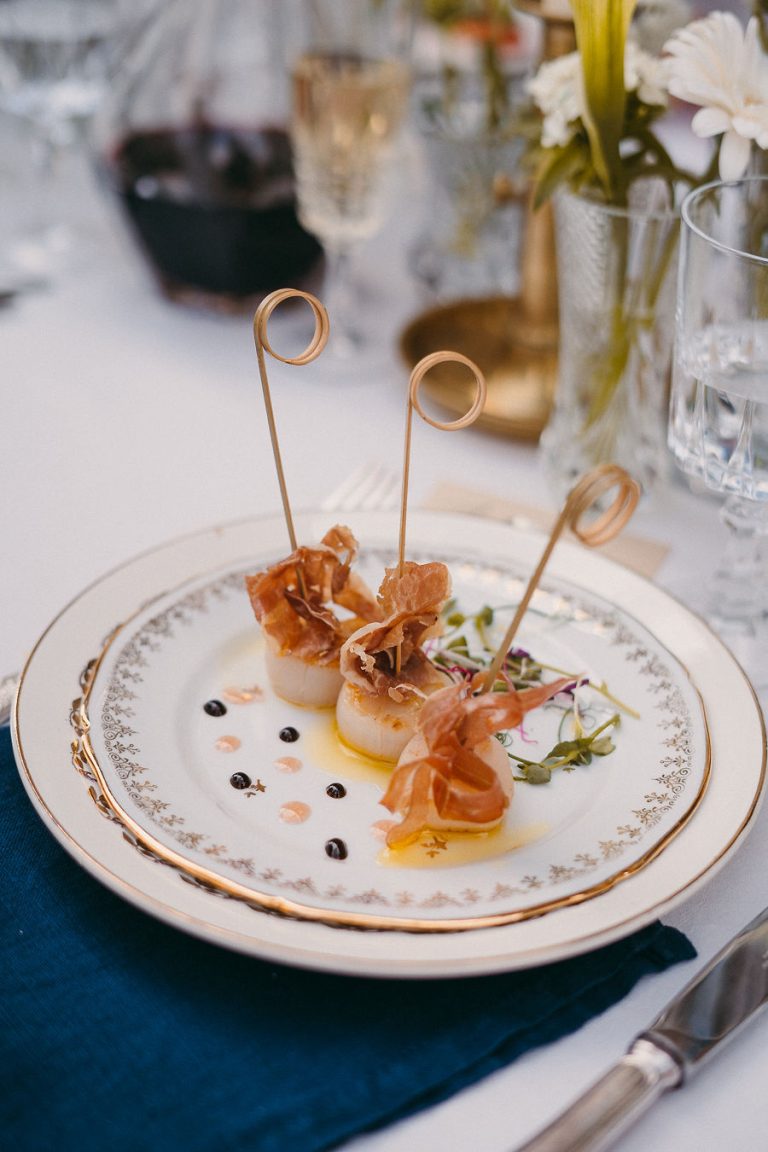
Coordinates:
(288, 764)
(243, 695)
(294, 812)
(227, 743)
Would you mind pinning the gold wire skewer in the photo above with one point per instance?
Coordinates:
(583, 496)
(424, 366)
(310, 353)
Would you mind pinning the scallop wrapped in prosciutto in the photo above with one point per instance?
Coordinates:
(383, 693)
(454, 775)
(296, 602)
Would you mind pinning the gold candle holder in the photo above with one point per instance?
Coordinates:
(513, 340)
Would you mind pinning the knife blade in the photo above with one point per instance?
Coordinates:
(729, 992)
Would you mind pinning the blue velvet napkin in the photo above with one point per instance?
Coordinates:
(120, 1033)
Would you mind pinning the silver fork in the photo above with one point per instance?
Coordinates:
(371, 486)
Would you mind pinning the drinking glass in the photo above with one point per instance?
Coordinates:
(53, 59)
(718, 428)
(350, 98)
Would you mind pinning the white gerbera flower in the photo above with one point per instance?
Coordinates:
(724, 70)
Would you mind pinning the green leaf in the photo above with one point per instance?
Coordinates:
(459, 644)
(565, 747)
(601, 33)
(455, 620)
(538, 774)
(560, 166)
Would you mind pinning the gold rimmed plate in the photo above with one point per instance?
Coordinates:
(198, 758)
(597, 851)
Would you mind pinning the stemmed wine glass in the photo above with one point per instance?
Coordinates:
(53, 59)
(350, 97)
(718, 429)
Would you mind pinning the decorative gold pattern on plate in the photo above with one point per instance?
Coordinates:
(124, 753)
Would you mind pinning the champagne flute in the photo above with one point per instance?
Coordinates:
(350, 98)
(718, 428)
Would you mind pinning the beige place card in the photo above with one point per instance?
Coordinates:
(636, 552)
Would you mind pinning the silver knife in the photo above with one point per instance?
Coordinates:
(717, 1003)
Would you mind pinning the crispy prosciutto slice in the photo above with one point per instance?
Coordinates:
(380, 702)
(410, 610)
(295, 602)
(454, 775)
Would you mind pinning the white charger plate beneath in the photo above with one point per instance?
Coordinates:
(697, 833)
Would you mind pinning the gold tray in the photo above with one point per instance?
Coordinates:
(519, 362)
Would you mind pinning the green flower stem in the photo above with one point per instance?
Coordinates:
(634, 310)
(601, 31)
(496, 87)
(612, 368)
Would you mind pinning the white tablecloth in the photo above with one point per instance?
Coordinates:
(127, 420)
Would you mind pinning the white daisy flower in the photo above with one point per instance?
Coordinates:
(557, 92)
(557, 89)
(717, 65)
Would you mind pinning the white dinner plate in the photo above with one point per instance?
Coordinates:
(580, 861)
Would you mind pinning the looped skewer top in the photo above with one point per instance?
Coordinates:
(310, 353)
(267, 307)
(424, 366)
(583, 496)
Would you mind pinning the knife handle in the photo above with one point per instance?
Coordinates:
(611, 1105)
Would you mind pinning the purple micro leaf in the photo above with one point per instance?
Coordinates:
(519, 654)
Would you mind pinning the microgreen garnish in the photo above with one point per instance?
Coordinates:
(520, 669)
(483, 620)
(460, 654)
(455, 620)
(566, 754)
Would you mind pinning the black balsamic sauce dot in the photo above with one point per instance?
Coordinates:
(336, 849)
(240, 780)
(336, 791)
(215, 708)
(289, 735)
